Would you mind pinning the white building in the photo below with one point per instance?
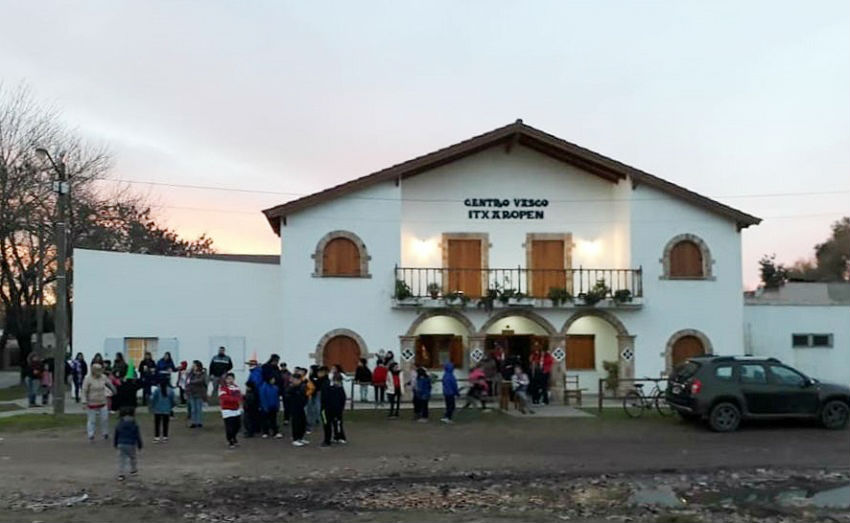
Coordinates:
(806, 325)
(515, 208)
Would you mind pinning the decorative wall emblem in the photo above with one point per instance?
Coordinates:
(476, 355)
(559, 354)
(407, 354)
(627, 354)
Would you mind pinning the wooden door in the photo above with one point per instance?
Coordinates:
(457, 352)
(464, 267)
(581, 352)
(547, 264)
(341, 350)
(686, 347)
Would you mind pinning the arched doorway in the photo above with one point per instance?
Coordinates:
(438, 337)
(593, 338)
(341, 347)
(516, 334)
(685, 344)
(686, 347)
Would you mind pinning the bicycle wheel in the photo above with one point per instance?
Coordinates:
(633, 404)
(661, 404)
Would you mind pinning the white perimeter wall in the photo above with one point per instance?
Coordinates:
(769, 329)
(196, 301)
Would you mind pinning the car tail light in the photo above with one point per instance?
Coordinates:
(696, 386)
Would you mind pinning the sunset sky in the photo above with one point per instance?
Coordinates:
(745, 102)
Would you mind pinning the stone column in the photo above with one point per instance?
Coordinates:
(626, 350)
(559, 369)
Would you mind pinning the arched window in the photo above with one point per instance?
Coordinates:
(341, 254)
(685, 260)
(687, 257)
(341, 350)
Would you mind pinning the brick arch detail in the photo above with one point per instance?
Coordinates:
(605, 315)
(318, 256)
(707, 261)
(451, 313)
(530, 315)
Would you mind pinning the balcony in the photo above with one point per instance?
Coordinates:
(518, 287)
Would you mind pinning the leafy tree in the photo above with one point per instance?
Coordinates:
(832, 257)
(119, 221)
(773, 275)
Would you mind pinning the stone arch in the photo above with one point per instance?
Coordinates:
(605, 315)
(707, 261)
(451, 313)
(318, 256)
(318, 356)
(530, 315)
(668, 351)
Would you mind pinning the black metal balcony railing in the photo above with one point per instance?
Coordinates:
(534, 283)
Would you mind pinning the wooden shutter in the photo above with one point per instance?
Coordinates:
(581, 352)
(686, 347)
(341, 257)
(464, 267)
(686, 260)
(457, 352)
(341, 350)
(547, 264)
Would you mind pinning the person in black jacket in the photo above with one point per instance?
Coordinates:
(252, 410)
(220, 365)
(333, 405)
(296, 401)
(363, 378)
(147, 376)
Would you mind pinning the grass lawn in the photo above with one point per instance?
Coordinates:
(5, 407)
(13, 393)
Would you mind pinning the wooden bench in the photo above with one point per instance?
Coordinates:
(572, 389)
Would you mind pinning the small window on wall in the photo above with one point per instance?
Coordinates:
(135, 348)
(433, 351)
(805, 341)
(341, 254)
(686, 260)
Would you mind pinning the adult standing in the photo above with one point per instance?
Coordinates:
(395, 389)
(163, 401)
(164, 367)
(271, 369)
(196, 390)
(96, 392)
(544, 360)
(79, 370)
(147, 376)
(363, 378)
(32, 377)
(220, 365)
(119, 367)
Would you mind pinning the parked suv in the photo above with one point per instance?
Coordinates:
(726, 389)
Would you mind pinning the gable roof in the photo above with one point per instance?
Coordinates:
(510, 135)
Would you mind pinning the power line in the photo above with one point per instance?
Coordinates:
(446, 200)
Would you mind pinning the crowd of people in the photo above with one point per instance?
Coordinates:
(274, 396)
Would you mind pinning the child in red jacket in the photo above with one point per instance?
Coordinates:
(230, 400)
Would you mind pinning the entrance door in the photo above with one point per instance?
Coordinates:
(686, 347)
(547, 264)
(464, 267)
(343, 351)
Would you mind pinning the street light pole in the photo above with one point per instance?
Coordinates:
(62, 189)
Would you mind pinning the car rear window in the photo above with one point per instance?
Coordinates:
(685, 371)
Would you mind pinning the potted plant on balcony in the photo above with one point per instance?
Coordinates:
(487, 301)
(403, 294)
(434, 290)
(558, 296)
(456, 298)
(622, 296)
(520, 299)
(596, 294)
(506, 295)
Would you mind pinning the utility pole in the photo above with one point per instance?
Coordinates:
(62, 188)
(39, 305)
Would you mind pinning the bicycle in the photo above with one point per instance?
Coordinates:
(636, 401)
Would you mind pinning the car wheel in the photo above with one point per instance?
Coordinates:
(834, 414)
(724, 417)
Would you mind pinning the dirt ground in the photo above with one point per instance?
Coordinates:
(486, 466)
